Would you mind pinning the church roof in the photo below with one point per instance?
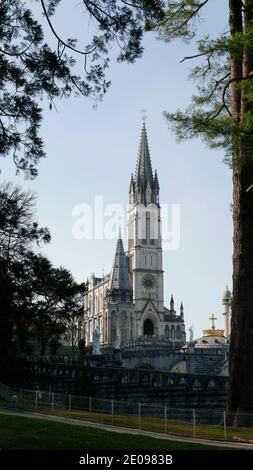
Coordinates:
(120, 276)
(144, 173)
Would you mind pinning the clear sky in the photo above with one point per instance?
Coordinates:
(93, 152)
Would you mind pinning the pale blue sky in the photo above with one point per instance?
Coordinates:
(91, 153)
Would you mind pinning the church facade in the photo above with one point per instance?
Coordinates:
(128, 303)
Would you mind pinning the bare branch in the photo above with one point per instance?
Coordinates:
(214, 116)
(15, 54)
(196, 55)
(78, 51)
(99, 9)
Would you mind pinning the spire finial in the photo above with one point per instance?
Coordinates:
(213, 318)
(144, 116)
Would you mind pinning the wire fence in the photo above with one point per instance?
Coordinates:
(195, 423)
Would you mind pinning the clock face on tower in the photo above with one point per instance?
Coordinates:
(148, 281)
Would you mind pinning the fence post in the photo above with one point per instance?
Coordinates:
(90, 407)
(36, 400)
(69, 402)
(225, 425)
(52, 402)
(139, 415)
(194, 422)
(112, 412)
(165, 419)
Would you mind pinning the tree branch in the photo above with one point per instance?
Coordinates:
(197, 55)
(194, 13)
(78, 51)
(235, 79)
(15, 54)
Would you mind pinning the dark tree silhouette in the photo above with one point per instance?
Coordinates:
(222, 114)
(31, 69)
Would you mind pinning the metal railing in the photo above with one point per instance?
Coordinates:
(202, 424)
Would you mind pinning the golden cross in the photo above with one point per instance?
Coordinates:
(213, 318)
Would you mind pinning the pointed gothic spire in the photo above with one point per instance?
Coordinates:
(156, 181)
(120, 276)
(144, 174)
(181, 309)
(131, 186)
(172, 303)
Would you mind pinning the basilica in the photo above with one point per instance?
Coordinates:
(127, 304)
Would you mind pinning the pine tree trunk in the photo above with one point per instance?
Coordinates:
(240, 398)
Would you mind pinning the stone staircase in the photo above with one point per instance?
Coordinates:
(222, 368)
(204, 364)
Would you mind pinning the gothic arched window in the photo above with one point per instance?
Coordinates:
(148, 227)
(148, 327)
(178, 332)
(113, 326)
(123, 326)
(167, 331)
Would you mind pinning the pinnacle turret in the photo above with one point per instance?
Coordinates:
(156, 181)
(172, 303)
(120, 276)
(131, 186)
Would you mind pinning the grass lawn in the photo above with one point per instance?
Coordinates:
(155, 424)
(18, 432)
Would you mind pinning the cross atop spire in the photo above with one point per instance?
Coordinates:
(213, 318)
(144, 115)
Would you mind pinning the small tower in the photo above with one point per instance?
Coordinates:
(182, 311)
(120, 288)
(172, 304)
(156, 189)
(131, 189)
(226, 302)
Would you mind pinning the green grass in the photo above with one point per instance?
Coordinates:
(176, 428)
(18, 432)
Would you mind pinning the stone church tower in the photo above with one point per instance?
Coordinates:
(130, 299)
(145, 244)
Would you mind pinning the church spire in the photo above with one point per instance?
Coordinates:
(120, 276)
(144, 185)
(144, 174)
